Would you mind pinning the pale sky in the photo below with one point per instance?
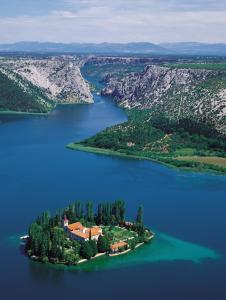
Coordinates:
(113, 21)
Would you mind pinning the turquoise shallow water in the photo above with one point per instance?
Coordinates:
(37, 173)
(162, 248)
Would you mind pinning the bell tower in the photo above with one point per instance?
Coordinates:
(65, 221)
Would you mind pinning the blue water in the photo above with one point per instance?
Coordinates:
(37, 173)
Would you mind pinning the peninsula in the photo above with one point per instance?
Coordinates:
(77, 234)
(176, 114)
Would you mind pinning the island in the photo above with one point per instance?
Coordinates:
(77, 234)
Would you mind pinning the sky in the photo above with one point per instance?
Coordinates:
(155, 21)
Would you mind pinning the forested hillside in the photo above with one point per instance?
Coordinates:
(170, 144)
(177, 115)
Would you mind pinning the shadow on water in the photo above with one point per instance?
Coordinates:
(45, 273)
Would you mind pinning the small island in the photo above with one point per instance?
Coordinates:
(77, 234)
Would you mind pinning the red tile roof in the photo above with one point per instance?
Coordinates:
(118, 245)
(83, 232)
(75, 226)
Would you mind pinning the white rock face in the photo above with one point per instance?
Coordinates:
(60, 78)
(178, 93)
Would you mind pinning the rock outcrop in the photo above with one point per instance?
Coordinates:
(178, 93)
(59, 79)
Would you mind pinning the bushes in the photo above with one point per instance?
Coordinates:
(103, 244)
(93, 246)
(70, 258)
(86, 251)
(162, 139)
(132, 243)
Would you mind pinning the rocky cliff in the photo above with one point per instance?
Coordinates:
(176, 93)
(20, 95)
(58, 79)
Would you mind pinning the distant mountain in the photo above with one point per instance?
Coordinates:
(83, 48)
(195, 48)
(118, 48)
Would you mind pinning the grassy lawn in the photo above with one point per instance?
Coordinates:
(211, 160)
(184, 151)
(202, 66)
(178, 160)
(118, 234)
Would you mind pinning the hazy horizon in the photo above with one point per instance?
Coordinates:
(115, 42)
(118, 21)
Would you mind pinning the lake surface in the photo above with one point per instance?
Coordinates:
(187, 259)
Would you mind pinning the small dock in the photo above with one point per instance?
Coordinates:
(24, 237)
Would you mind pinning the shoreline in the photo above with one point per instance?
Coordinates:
(103, 151)
(14, 112)
(81, 261)
(98, 255)
(119, 253)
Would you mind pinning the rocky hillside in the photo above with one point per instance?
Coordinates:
(176, 93)
(18, 94)
(59, 80)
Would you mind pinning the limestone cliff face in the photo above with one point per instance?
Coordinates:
(59, 78)
(178, 93)
(20, 95)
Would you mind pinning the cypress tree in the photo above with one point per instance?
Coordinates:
(89, 211)
(140, 212)
(100, 214)
(103, 244)
(93, 247)
(86, 250)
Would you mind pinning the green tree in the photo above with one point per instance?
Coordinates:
(36, 237)
(71, 258)
(107, 211)
(103, 244)
(86, 250)
(93, 245)
(45, 219)
(45, 244)
(140, 212)
(132, 243)
(58, 237)
(89, 211)
(76, 247)
(57, 219)
(78, 207)
(119, 211)
(99, 214)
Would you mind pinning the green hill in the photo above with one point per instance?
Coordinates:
(161, 140)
